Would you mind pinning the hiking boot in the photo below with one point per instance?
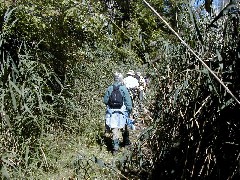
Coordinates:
(126, 140)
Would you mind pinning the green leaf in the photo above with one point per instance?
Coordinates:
(221, 66)
(185, 84)
(26, 155)
(226, 104)
(7, 119)
(176, 95)
(15, 87)
(4, 172)
(8, 14)
(13, 98)
(219, 55)
(27, 109)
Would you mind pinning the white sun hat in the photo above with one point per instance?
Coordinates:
(131, 72)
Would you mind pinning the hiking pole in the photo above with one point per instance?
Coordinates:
(190, 49)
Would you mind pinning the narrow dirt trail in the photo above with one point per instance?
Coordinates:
(77, 159)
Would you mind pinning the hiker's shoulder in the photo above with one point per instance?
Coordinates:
(110, 87)
(123, 87)
(115, 85)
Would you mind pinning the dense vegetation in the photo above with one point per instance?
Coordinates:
(57, 58)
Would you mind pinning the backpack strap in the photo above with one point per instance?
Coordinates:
(116, 87)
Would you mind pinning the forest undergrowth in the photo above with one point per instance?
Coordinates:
(57, 58)
(70, 156)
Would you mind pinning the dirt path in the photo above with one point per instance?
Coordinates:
(75, 158)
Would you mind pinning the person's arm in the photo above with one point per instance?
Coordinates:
(106, 96)
(127, 99)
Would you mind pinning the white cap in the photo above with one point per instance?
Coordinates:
(138, 73)
(131, 72)
(118, 76)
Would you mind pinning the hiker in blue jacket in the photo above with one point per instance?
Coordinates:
(117, 117)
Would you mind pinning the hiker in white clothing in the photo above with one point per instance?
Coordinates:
(130, 81)
(132, 85)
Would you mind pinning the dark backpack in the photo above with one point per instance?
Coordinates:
(115, 99)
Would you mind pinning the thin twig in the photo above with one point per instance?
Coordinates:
(189, 48)
(44, 157)
(203, 104)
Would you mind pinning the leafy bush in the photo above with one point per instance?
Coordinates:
(195, 128)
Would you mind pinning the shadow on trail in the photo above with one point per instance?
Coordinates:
(106, 140)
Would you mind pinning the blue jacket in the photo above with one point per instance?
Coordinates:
(126, 96)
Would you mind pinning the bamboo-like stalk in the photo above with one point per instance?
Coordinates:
(190, 49)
